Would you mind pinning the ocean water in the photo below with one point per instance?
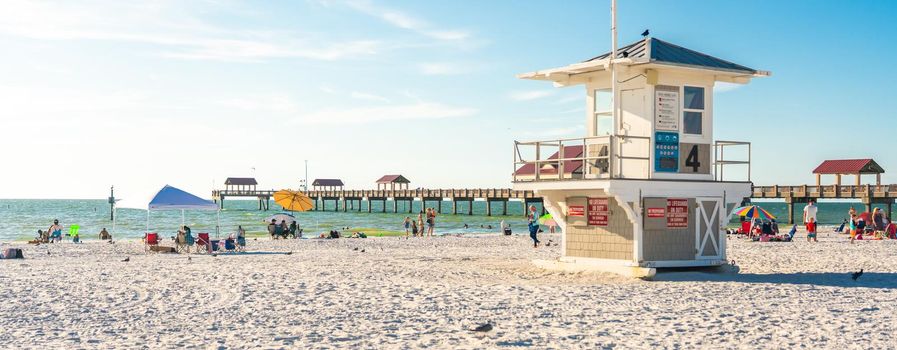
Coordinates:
(21, 218)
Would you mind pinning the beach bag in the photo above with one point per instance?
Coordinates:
(13, 253)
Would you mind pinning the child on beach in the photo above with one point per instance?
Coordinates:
(853, 227)
(407, 224)
(811, 230)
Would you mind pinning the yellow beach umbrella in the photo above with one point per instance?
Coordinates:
(293, 200)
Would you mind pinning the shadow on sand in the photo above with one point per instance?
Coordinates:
(829, 279)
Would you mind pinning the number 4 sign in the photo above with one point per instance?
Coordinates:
(696, 159)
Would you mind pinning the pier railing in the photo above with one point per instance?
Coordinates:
(826, 191)
(599, 157)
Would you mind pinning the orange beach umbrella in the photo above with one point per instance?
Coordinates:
(293, 200)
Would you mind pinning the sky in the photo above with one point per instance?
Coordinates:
(147, 93)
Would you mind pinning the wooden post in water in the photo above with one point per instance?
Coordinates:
(454, 206)
(384, 204)
(470, 207)
(488, 207)
(504, 208)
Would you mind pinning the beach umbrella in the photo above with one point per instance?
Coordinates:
(866, 216)
(289, 218)
(293, 200)
(754, 212)
(547, 220)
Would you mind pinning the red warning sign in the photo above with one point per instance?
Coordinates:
(677, 213)
(598, 211)
(576, 210)
(656, 212)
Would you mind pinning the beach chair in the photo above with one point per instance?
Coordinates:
(180, 242)
(745, 228)
(190, 241)
(229, 245)
(202, 241)
(151, 239)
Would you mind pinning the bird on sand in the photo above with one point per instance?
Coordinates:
(214, 255)
(856, 275)
(646, 33)
(483, 328)
(356, 249)
(362, 250)
(126, 259)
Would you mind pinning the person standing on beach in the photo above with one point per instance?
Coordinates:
(419, 231)
(811, 230)
(431, 222)
(293, 229)
(853, 226)
(810, 212)
(533, 219)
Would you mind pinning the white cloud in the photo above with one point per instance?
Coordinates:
(269, 104)
(530, 95)
(369, 114)
(368, 96)
(172, 29)
(444, 68)
(406, 21)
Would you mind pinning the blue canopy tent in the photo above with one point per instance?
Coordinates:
(173, 198)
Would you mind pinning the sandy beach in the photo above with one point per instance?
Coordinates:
(429, 293)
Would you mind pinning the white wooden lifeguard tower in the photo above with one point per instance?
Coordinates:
(645, 187)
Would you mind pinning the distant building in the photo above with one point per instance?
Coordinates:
(240, 184)
(327, 185)
(855, 167)
(389, 182)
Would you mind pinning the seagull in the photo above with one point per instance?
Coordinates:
(362, 250)
(356, 249)
(856, 275)
(126, 259)
(483, 328)
(646, 33)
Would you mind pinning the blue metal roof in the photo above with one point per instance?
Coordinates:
(664, 52)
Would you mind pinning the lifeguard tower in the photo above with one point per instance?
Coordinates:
(645, 187)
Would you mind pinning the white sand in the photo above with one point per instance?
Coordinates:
(430, 292)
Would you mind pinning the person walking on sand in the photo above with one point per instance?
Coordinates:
(533, 221)
(811, 230)
(853, 227)
(407, 224)
(810, 212)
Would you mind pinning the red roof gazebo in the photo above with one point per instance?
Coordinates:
(856, 167)
(391, 181)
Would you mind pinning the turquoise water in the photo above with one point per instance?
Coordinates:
(21, 218)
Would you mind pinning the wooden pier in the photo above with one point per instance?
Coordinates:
(867, 194)
(362, 200)
(345, 200)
